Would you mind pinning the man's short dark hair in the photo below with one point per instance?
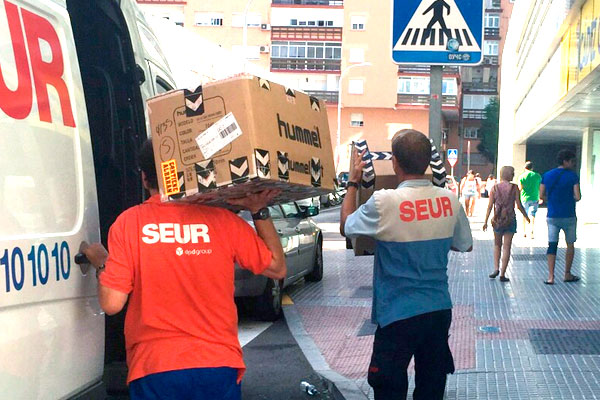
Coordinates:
(564, 155)
(412, 151)
(146, 163)
(529, 165)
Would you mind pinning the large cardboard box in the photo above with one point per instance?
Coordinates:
(239, 135)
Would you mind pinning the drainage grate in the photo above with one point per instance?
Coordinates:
(565, 341)
(489, 329)
(367, 328)
(363, 292)
(529, 257)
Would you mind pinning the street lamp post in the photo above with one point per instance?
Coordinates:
(245, 33)
(339, 111)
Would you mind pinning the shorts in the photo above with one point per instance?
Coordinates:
(188, 384)
(512, 228)
(568, 225)
(531, 207)
(468, 196)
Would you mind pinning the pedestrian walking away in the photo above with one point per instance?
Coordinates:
(489, 184)
(414, 227)
(503, 198)
(174, 263)
(529, 184)
(560, 190)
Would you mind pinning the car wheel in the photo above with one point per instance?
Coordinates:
(317, 273)
(268, 304)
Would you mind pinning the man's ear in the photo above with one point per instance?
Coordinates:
(145, 181)
(395, 165)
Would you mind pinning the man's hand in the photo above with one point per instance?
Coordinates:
(255, 201)
(96, 253)
(355, 173)
(485, 226)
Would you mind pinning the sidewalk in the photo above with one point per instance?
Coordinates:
(515, 340)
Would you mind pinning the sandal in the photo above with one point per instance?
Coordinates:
(549, 283)
(573, 278)
(504, 279)
(494, 274)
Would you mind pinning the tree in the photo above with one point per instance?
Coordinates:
(489, 131)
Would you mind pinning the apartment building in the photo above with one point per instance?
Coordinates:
(340, 51)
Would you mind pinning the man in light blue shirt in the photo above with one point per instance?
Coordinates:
(414, 226)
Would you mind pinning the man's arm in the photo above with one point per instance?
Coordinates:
(543, 192)
(463, 239)
(111, 301)
(577, 192)
(266, 231)
(355, 175)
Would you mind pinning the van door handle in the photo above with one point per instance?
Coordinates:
(297, 229)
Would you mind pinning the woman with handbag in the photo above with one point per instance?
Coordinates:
(503, 197)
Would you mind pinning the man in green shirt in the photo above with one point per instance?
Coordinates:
(529, 184)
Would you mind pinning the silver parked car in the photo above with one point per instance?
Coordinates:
(302, 243)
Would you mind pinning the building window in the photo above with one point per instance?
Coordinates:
(293, 22)
(358, 23)
(356, 86)
(357, 55)
(420, 85)
(471, 133)
(253, 20)
(208, 19)
(305, 22)
(306, 50)
(356, 119)
(475, 102)
(490, 48)
(492, 21)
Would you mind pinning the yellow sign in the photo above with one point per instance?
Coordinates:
(169, 175)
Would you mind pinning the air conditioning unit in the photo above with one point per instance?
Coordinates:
(264, 49)
(265, 27)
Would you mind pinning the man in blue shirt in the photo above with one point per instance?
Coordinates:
(414, 226)
(560, 189)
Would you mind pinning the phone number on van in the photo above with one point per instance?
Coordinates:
(44, 265)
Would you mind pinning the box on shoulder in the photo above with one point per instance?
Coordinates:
(240, 135)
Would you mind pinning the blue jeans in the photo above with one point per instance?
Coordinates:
(531, 207)
(188, 384)
(568, 225)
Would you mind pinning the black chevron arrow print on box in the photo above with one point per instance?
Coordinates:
(283, 166)
(194, 104)
(437, 167)
(181, 194)
(239, 170)
(381, 155)
(205, 173)
(315, 172)
(263, 163)
(368, 177)
(314, 104)
(290, 92)
(264, 84)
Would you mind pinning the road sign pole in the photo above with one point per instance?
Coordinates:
(435, 105)
(452, 171)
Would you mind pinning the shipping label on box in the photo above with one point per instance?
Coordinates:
(240, 135)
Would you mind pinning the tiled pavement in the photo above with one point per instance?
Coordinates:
(544, 341)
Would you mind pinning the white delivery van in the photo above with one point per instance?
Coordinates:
(74, 75)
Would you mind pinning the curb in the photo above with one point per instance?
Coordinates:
(342, 387)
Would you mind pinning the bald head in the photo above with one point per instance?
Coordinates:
(412, 151)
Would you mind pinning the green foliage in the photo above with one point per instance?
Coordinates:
(490, 130)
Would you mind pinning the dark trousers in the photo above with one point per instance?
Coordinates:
(425, 337)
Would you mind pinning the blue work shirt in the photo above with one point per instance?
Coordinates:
(558, 183)
(414, 227)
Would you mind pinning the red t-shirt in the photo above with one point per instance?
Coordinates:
(176, 261)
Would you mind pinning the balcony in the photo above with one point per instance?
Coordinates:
(491, 86)
(306, 33)
(332, 3)
(424, 69)
(473, 114)
(492, 33)
(305, 64)
(490, 60)
(423, 99)
(326, 95)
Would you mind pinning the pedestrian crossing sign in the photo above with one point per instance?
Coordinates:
(437, 32)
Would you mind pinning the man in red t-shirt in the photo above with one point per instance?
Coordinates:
(174, 262)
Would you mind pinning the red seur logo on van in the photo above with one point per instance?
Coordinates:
(26, 38)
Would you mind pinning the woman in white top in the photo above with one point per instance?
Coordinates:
(469, 190)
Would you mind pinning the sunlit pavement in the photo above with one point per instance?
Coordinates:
(515, 340)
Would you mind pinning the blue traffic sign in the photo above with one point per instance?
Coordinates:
(437, 32)
(452, 154)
